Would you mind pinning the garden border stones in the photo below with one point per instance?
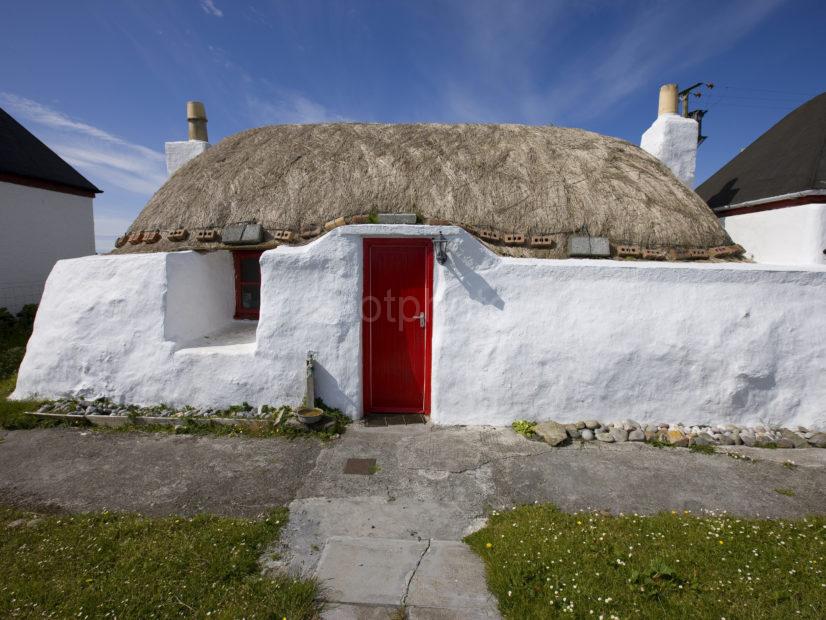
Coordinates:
(678, 435)
(102, 412)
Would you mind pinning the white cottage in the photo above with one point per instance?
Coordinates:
(474, 273)
(45, 214)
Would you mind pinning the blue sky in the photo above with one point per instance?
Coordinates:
(105, 82)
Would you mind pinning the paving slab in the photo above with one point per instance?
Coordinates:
(314, 520)
(451, 576)
(346, 611)
(371, 571)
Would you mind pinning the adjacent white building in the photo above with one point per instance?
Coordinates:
(45, 214)
(771, 198)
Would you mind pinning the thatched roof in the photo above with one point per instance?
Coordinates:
(494, 180)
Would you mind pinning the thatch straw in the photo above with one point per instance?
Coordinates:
(508, 178)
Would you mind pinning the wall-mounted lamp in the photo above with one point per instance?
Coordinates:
(440, 245)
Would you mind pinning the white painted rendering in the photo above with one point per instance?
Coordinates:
(512, 338)
(179, 153)
(673, 140)
(786, 236)
(200, 295)
(37, 228)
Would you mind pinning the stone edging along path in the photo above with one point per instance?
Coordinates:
(679, 435)
(102, 412)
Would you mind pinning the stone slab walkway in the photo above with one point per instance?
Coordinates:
(375, 576)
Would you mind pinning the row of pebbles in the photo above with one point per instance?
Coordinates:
(682, 435)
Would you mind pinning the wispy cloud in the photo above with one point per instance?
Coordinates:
(288, 107)
(516, 48)
(267, 104)
(659, 40)
(210, 9)
(103, 156)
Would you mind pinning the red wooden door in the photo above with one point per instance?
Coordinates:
(396, 325)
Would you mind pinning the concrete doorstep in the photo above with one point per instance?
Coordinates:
(371, 578)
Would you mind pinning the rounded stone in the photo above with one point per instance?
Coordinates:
(636, 435)
(818, 440)
(703, 439)
(552, 433)
(605, 437)
(619, 434)
(592, 424)
(587, 434)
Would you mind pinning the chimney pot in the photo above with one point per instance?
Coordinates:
(180, 152)
(197, 119)
(668, 99)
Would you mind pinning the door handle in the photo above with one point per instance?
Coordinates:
(421, 319)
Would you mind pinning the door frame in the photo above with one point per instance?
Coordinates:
(368, 243)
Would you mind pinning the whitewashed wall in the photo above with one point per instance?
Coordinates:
(513, 338)
(787, 236)
(37, 228)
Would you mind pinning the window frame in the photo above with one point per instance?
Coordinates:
(240, 311)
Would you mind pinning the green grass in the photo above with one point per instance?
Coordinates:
(543, 563)
(786, 492)
(13, 413)
(14, 334)
(128, 566)
(702, 449)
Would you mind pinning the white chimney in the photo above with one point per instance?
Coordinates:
(672, 138)
(178, 153)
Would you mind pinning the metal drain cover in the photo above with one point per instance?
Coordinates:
(361, 467)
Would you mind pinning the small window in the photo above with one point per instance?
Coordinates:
(247, 284)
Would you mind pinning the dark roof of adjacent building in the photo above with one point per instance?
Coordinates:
(26, 160)
(790, 157)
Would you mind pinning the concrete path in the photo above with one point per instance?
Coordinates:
(391, 539)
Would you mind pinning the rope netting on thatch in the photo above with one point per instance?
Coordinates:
(498, 181)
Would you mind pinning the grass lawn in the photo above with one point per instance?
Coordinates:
(127, 566)
(543, 563)
(12, 413)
